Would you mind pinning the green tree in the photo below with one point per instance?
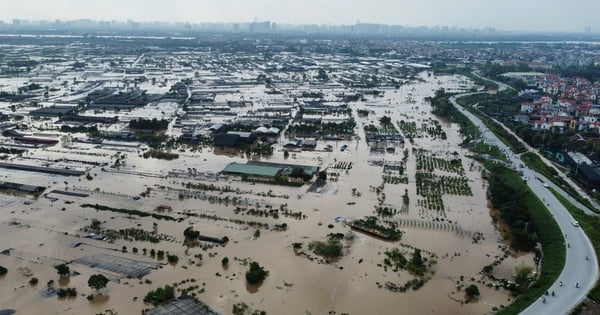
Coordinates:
(297, 246)
(256, 273)
(160, 295)
(472, 291)
(522, 276)
(63, 270)
(97, 282)
(225, 262)
(322, 176)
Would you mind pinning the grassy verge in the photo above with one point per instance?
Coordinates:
(491, 150)
(590, 225)
(507, 138)
(547, 231)
(442, 107)
(535, 162)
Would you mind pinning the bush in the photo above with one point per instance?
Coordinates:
(256, 273)
(160, 295)
(68, 292)
(3, 271)
(472, 291)
(332, 248)
(33, 281)
(172, 259)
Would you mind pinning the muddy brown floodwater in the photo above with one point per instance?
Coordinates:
(39, 234)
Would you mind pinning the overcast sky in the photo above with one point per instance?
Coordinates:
(528, 15)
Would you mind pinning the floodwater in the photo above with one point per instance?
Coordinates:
(40, 233)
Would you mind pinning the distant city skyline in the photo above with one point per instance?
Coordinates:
(507, 15)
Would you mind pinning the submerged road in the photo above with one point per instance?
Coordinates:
(580, 272)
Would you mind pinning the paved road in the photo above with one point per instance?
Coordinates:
(577, 269)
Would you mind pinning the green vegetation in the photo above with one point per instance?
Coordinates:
(443, 108)
(432, 186)
(387, 126)
(256, 274)
(161, 155)
(490, 150)
(33, 281)
(395, 259)
(523, 275)
(3, 270)
(97, 282)
(362, 112)
(190, 234)
(472, 291)
(68, 292)
(129, 212)
(529, 221)
(147, 124)
(371, 223)
(332, 248)
(172, 259)
(160, 295)
(63, 270)
(416, 265)
(242, 308)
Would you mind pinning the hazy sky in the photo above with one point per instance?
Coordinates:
(532, 15)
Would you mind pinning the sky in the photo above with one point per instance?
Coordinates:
(509, 15)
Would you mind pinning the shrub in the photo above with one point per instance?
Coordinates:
(472, 291)
(256, 273)
(160, 295)
(33, 281)
(3, 271)
(172, 259)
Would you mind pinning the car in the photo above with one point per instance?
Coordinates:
(575, 223)
(545, 185)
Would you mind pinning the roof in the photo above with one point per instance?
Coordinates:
(246, 169)
(242, 134)
(589, 172)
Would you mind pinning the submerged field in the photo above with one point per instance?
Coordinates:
(426, 188)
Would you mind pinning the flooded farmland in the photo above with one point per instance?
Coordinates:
(451, 227)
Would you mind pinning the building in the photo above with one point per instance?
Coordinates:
(262, 171)
(587, 175)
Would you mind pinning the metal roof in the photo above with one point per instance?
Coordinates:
(247, 169)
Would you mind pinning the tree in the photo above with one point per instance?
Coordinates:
(97, 282)
(297, 246)
(225, 262)
(385, 120)
(256, 273)
(190, 234)
(3, 271)
(63, 270)
(472, 291)
(322, 176)
(522, 273)
(160, 295)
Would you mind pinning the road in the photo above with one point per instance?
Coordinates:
(578, 270)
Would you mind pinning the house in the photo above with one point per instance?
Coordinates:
(226, 140)
(587, 175)
(245, 137)
(309, 144)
